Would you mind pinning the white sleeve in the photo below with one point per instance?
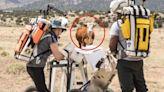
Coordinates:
(114, 31)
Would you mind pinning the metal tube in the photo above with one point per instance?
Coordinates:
(53, 78)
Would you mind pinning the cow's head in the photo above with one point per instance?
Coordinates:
(84, 36)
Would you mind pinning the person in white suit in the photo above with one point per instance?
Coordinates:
(130, 70)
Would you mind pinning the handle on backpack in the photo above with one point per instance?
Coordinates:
(51, 7)
(143, 1)
(45, 12)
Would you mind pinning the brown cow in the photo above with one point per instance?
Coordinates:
(84, 37)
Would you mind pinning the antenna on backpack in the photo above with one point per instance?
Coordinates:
(51, 7)
(143, 1)
(131, 2)
(40, 11)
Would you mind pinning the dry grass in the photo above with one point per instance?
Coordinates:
(4, 54)
(13, 77)
(15, 69)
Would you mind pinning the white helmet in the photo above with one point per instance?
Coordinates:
(117, 5)
(59, 23)
(64, 21)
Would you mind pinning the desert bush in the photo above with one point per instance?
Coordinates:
(1, 48)
(3, 19)
(1, 11)
(4, 54)
(114, 19)
(162, 20)
(81, 23)
(106, 24)
(109, 17)
(8, 16)
(101, 18)
(158, 23)
(93, 11)
(26, 20)
(15, 69)
(155, 26)
(11, 18)
(72, 15)
(15, 14)
(97, 21)
(18, 21)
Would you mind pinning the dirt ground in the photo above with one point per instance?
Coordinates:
(13, 76)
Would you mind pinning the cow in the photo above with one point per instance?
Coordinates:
(85, 35)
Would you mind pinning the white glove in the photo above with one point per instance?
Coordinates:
(69, 47)
(65, 53)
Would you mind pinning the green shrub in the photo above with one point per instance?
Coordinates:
(3, 19)
(101, 18)
(109, 17)
(1, 48)
(105, 24)
(15, 69)
(26, 20)
(97, 21)
(72, 15)
(114, 18)
(155, 26)
(162, 20)
(4, 54)
(11, 18)
(160, 25)
(81, 23)
(18, 21)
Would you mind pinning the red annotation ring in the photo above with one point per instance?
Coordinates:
(101, 24)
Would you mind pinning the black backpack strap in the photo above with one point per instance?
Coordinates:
(44, 52)
(53, 36)
(146, 12)
(140, 11)
(119, 40)
(121, 45)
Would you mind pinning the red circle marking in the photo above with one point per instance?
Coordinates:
(101, 24)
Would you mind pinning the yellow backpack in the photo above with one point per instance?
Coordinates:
(136, 29)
